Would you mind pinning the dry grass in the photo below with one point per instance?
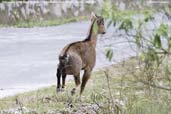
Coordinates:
(116, 92)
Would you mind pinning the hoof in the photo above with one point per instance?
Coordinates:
(58, 90)
(73, 91)
(62, 89)
(81, 98)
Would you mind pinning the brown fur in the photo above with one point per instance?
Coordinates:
(79, 56)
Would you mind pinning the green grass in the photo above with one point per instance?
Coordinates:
(121, 93)
(44, 23)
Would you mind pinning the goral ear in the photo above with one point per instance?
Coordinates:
(93, 16)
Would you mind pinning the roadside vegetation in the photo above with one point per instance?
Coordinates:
(44, 23)
(111, 90)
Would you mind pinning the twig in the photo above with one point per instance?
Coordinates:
(110, 93)
(155, 86)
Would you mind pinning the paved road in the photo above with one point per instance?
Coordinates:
(28, 56)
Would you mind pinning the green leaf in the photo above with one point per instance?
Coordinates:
(138, 39)
(167, 11)
(126, 25)
(148, 16)
(168, 43)
(152, 56)
(109, 54)
(162, 30)
(157, 41)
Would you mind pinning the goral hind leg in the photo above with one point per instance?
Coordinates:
(85, 78)
(63, 80)
(77, 83)
(58, 75)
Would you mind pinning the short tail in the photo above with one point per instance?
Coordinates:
(63, 60)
